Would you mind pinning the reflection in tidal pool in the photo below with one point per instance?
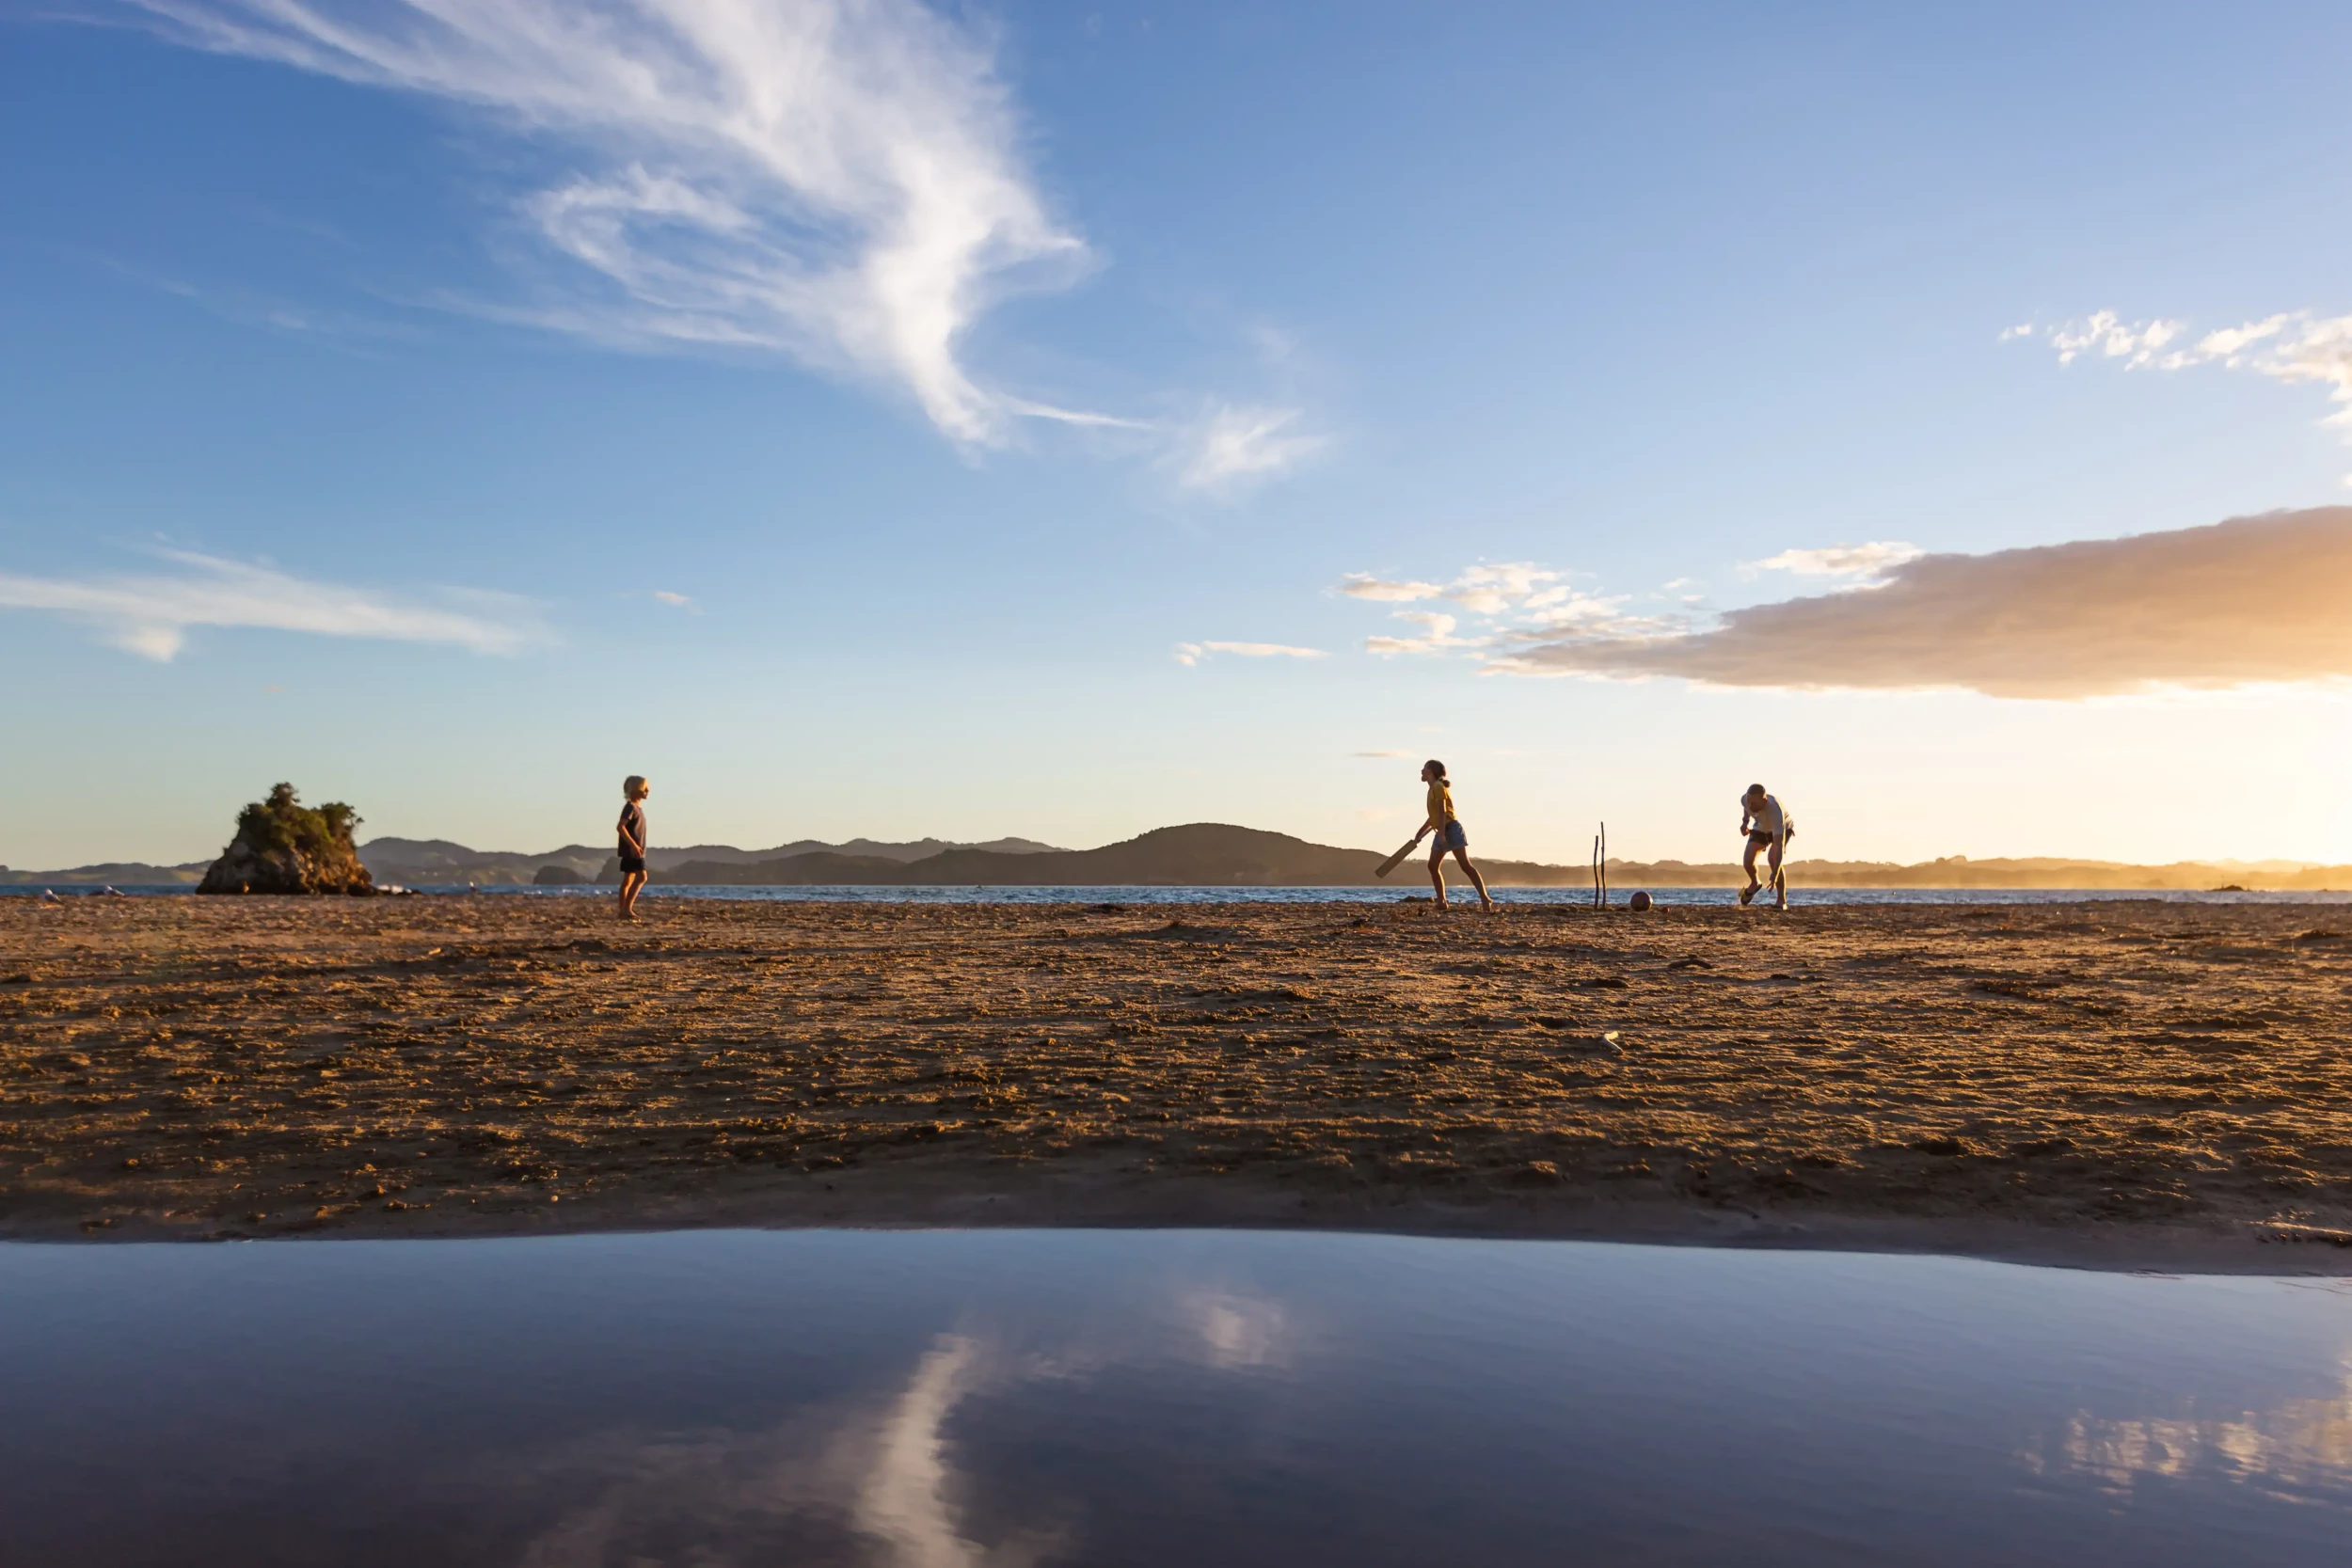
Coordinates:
(940, 1400)
(2301, 1446)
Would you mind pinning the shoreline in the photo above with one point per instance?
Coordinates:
(1042, 895)
(2116, 1086)
(2110, 1250)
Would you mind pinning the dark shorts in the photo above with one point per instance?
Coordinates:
(632, 865)
(1450, 836)
(1764, 841)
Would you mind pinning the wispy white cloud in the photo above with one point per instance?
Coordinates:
(839, 180)
(841, 183)
(1193, 653)
(1363, 585)
(1231, 446)
(2295, 346)
(2109, 337)
(150, 614)
(1264, 650)
(1079, 417)
(1486, 589)
(1508, 596)
(1437, 634)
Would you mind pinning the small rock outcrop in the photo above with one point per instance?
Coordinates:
(283, 845)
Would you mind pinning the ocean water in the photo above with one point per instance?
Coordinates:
(954, 1400)
(1665, 895)
(1798, 893)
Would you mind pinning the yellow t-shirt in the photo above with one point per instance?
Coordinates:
(1440, 803)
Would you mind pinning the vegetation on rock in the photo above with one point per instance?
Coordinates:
(283, 845)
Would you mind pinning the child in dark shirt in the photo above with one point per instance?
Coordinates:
(632, 828)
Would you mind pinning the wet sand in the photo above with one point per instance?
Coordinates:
(2117, 1084)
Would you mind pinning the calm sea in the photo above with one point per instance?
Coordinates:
(1798, 893)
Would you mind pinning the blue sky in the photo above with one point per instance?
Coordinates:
(428, 356)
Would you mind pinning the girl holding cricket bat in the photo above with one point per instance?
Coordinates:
(1450, 835)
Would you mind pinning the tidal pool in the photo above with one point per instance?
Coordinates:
(1001, 1397)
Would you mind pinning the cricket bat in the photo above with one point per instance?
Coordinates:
(1398, 858)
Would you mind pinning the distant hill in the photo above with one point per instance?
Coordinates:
(110, 874)
(1202, 854)
(1957, 871)
(868, 849)
(2050, 872)
(1206, 854)
(435, 861)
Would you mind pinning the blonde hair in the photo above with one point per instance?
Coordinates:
(631, 785)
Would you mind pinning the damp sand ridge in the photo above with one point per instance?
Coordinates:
(2116, 1083)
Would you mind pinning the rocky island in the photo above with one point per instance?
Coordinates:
(283, 845)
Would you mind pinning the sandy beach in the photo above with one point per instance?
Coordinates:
(2116, 1083)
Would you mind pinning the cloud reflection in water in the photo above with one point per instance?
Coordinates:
(863, 1481)
(2300, 1446)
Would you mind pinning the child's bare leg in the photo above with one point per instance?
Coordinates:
(1747, 864)
(1780, 886)
(1437, 874)
(1476, 880)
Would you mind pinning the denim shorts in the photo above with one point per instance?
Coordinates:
(1450, 836)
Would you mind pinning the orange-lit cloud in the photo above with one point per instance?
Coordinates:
(2254, 599)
